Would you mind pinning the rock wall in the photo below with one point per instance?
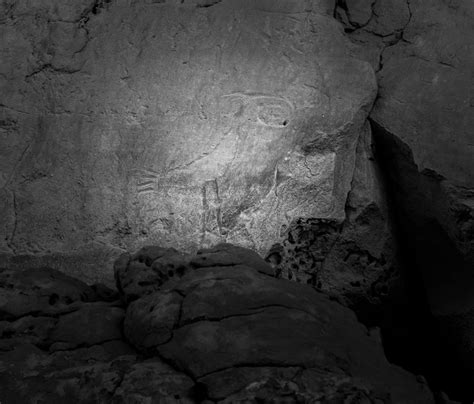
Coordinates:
(355, 259)
(179, 123)
(422, 121)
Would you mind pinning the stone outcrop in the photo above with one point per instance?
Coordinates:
(200, 124)
(179, 123)
(225, 330)
(422, 122)
(191, 123)
(356, 259)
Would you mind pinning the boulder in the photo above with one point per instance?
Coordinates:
(147, 270)
(26, 330)
(39, 291)
(91, 324)
(226, 254)
(236, 324)
(28, 375)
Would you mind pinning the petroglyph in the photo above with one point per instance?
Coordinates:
(267, 110)
(147, 181)
(211, 211)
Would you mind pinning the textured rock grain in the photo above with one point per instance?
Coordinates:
(243, 333)
(227, 330)
(199, 124)
(422, 121)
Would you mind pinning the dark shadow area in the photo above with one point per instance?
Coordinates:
(423, 332)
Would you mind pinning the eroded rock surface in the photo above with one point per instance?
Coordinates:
(224, 331)
(243, 333)
(355, 259)
(422, 122)
(179, 123)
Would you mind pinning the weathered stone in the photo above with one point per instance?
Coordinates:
(226, 383)
(213, 122)
(76, 383)
(150, 320)
(83, 265)
(362, 264)
(104, 293)
(39, 291)
(309, 386)
(92, 324)
(359, 12)
(422, 123)
(354, 259)
(147, 270)
(241, 290)
(26, 330)
(88, 376)
(228, 255)
(216, 321)
(155, 382)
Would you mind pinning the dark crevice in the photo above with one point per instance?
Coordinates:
(253, 365)
(80, 346)
(199, 391)
(412, 336)
(254, 311)
(11, 239)
(208, 3)
(55, 313)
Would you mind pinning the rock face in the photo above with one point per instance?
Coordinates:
(188, 123)
(422, 122)
(355, 259)
(425, 76)
(224, 330)
(179, 123)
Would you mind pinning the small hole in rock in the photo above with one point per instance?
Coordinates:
(180, 271)
(53, 299)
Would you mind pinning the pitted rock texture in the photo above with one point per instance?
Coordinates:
(183, 123)
(225, 331)
(355, 259)
(39, 291)
(54, 311)
(147, 270)
(151, 267)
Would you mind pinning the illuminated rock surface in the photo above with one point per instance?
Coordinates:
(199, 124)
